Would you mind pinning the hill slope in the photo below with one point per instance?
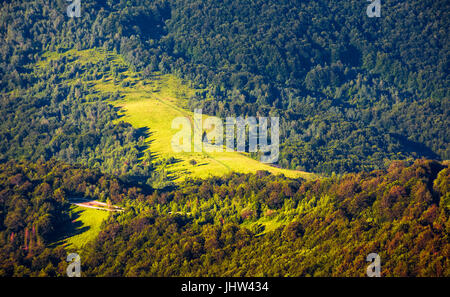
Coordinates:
(236, 225)
(352, 92)
(150, 105)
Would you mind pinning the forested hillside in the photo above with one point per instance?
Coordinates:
(237, 225)
(325, 227)
(351, 91)
(34, 212)
(363, 102)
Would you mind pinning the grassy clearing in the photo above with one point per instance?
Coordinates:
(153, 104)
(264, 225)
(85, 227)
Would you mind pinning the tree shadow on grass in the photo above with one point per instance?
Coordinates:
(71, 228)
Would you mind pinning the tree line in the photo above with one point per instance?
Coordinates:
(236, 225)
(352, 92)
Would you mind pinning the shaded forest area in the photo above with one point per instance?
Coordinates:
(352, 92)
(215, 227)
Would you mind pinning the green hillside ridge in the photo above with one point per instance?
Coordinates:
(235, 225)
(148, 104)
(152, 104)
(87, 105)
(353, 92)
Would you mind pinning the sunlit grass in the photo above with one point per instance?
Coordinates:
(91, 220)
(153, 104)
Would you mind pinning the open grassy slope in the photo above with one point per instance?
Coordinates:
(84, 228)
(152, 104)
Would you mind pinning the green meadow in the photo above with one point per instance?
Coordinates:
(84, 228)
(153, 104)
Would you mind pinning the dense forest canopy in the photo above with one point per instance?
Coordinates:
(362, 101)
(351, 91)
(227, 226)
